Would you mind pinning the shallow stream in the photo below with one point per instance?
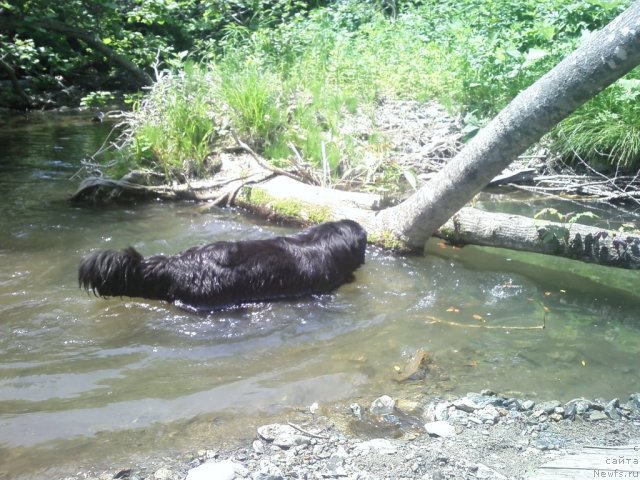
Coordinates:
(84, 379)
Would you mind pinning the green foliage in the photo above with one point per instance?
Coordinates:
(291, 72)
(97, 99)
(174, 127)
(551, 233)
(605, 133)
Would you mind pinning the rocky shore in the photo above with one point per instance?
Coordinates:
(478, 436)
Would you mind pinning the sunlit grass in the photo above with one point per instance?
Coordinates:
(605, 132)
(173, 127)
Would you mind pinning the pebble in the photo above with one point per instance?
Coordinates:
(266, 471)
(283, 436)
(525, 405)
(383, 405)
(478, 420)
(163, 473)
(258, 447)
(546, 407)
(466, 404)
(488, 414)
(223, 470)
(379, 445)
(634, 401)
(597, 415)
(440, 429)
(442, 411)
(611, 409)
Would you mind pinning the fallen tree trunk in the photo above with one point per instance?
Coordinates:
(289, 198)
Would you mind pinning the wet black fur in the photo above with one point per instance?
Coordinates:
(315, 260)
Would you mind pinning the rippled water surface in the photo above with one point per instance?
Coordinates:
(83, 379)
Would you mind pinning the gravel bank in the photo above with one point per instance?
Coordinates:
(478, 436)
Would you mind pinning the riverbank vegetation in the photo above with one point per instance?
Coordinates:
(287, 77)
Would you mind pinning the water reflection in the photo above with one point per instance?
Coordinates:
(86, 378)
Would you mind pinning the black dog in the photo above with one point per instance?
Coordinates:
(316, 260)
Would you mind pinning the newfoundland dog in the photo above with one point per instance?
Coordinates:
(316, 260)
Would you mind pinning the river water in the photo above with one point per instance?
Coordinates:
(84, 379)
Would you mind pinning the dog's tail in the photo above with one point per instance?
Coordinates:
(111, 274)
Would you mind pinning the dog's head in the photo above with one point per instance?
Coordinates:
(356, 237)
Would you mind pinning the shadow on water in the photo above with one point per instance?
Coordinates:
(84, 379)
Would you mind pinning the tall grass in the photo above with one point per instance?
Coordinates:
(605, 133)
(174, 127)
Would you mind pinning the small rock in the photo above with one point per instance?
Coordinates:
(163, 474)
(383, 405)
(258, 447)
(442, 411)
(473, 419)
(610, 409)
(545, 444)
(570, 411)
(466, 404)
(267, 471)
(460, 417)
(525, 405)
(546, 408)
(597, 415)
(271, 431)
(634, 401)
(440, 429)
(488, 414)
(283, 436)
(334, 465)
(356, 409)
(486, 473)
(379, 445)
(581, 405)
(287, 441)
(224, 470)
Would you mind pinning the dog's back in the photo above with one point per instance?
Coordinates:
(316, 260)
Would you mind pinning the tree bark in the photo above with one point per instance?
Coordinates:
(575, 241)
(8, 69)
(603, 58)
(138, 77)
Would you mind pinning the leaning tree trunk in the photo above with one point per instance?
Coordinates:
(603, 58)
